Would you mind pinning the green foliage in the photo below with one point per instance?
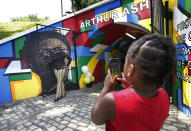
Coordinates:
(29, 18)
(80, 4)
(11, 28)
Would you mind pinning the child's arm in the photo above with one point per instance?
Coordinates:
(104, 108)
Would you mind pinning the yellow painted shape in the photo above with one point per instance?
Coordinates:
(73, 63)
(145, 23)
(114, 52)
(175, 35)
(176, 2)
(91, 67)
(138, 1)
(26, 88)
(186, 90)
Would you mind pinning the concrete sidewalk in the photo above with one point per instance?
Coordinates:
(71, 113)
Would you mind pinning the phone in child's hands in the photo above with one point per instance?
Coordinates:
(115, 67)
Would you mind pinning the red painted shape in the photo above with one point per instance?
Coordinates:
(102, 24)
(74, 24)
(189, 64)
(4, 63)
(113, 32)
(98, 72)
(145, 13)
(83, 40)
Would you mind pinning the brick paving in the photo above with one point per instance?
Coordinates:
(71, 113)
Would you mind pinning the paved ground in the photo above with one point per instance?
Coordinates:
(71, 113)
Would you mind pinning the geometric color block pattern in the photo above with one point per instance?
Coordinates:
(26, 88)
(107, 7)
(23, 76)
(181, 106)
(5, 90)
(18, 46)
(4, 63)
(6, 50)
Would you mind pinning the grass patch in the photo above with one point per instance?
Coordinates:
(8, 29)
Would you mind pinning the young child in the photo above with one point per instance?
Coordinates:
(142, 105)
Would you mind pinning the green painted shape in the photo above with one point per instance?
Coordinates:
(178, 84)
(73, 75)
(98, 40)
(174, 95)
(127, 3)
(82, 61)
(19, 43)
(187, 6)
(17, 77)
(180, 69)
(86, 28)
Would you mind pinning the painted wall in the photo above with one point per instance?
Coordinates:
(181, 34)
(97, 30)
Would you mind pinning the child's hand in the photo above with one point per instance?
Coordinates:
(124, 82)
(110, 82)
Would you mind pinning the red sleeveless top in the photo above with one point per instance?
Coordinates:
(137, 113)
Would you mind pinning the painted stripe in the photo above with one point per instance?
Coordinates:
(107, 7)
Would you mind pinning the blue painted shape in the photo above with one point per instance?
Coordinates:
(132, 18)
(6, 50)
(81, 51)
(5, 89)
(59, 24)
(181, 106)
(108, 49)
(93, 34)
(179, 56)
(107, 7)
(31, 34)
(181, 3)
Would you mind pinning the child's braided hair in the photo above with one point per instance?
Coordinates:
(153, 56)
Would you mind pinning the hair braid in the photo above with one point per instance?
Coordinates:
(154, 57)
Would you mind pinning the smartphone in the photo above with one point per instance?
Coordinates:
(115, 67)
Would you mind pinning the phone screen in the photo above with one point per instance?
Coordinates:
(115, 67)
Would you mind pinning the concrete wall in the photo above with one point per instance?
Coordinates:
(98, 29)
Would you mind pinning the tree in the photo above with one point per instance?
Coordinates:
(29, 18)
(80, 4)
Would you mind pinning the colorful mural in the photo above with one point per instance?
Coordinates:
(99, 35)
(182, 37)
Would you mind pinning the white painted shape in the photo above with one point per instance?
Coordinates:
(120, 19)
(15, 67)
(178, 18)
(70, 73)
(97, 47)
